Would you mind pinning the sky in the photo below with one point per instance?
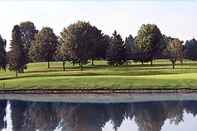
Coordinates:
(176, 18)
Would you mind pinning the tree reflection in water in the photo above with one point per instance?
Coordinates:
(149, 116)
(2, 113)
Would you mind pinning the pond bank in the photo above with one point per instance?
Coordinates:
(98, 96)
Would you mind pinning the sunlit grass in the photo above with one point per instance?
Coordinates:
(101, 76)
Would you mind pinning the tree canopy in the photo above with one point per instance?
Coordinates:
(190, 50)
(17, 61)
(174, 50)
(116, 53)
(28, 32)
(44, 45)
(3, 60)
(148, 42)
(81, 41)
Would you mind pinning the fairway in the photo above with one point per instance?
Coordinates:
(102, 76)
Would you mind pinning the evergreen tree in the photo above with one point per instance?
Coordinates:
(28, 32)
(3, 58)
(17, 60)
(129, 46)
(191, 49)
(116, 53)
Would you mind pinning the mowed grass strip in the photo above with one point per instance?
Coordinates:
(101, 76)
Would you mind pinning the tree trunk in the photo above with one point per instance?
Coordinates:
(21, 70)
(173, 64)
(81, 66)
(64, 65)
(142, 62)
(48, 64)
(151, 62)
(16, 73)
(92, 62)
(181, 61)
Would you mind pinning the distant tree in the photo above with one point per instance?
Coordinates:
(78, 42)
(98, 43)
(190, 49)
(63, 50)
(82, 42)
(174, 50)
(116, 53)
(101, 48)
(44, 45)
(17, 60)
(129, 46)
(28, 32)
(3, 58)
(148, 42)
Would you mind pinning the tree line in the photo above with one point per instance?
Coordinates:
(81, 43)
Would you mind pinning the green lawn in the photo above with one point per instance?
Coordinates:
(101, 76)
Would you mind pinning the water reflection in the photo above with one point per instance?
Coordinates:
(58, 116)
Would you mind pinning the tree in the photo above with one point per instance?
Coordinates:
(44, 45)
(129, 46)
(3, 57)
(63, 51)
(28, 32)
(148, 42)
(81, 41)
(98, 43)
(78, 42)
(101, 48)
(17, 60)
(116, 53)
(174, 50)
(190, 49)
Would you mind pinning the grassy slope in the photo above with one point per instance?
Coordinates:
(132, 76)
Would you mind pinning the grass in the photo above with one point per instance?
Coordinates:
(101, 76)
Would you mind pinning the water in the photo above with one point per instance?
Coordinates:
(134, 116)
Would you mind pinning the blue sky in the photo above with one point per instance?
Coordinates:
(176, 18)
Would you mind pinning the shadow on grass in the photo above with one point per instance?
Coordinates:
(124, 70)
(133, 66)
(45, 75)
(53, 69)
(128, 73)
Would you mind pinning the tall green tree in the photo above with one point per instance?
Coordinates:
(98, 43)
(190, 49)
(149, 41)
(78, 42)
(63, 52)
(101, 48)
(82, 42)
(174, 50)
(44, 45)
(129, 46)
(17, 60)
(116, 53)
(3, 58)
(28, 32)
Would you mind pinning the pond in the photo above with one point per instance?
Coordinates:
(161, 115)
